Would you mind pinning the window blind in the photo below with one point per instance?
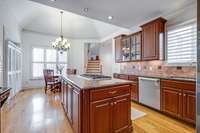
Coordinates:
(182, 44)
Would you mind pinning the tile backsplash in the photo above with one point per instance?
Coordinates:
(157, 68)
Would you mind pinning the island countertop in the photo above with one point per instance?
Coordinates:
(84, 83)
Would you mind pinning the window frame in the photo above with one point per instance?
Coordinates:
(174, 26)
(44, 61)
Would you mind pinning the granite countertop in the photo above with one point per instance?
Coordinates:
(191, 79)
(84, 83)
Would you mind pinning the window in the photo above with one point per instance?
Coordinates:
(47, 58)
(182, 44)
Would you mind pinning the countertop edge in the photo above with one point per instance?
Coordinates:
(128, 82)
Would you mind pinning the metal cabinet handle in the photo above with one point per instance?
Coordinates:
(115, 103)
(111, 104)
(112, 92)
(179, 94)
(184, 95)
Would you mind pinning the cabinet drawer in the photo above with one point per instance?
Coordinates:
(109, 92)
(133, 78)
(123, 76)
(185, 85)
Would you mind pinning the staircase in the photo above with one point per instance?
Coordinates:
(93, 67)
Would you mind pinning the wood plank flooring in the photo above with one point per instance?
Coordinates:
(155, 122)
(34, 112)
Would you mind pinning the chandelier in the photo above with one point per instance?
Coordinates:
(61, 44)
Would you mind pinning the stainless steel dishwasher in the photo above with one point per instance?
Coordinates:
(149, 92)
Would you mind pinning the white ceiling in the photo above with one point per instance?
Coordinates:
(33, 16)
(39, 18)
(126, 13)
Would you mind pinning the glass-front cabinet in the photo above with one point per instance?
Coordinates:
(126, 49)
(136, 46)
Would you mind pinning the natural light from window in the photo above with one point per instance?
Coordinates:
(47, 58)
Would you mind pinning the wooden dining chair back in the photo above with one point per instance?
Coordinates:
(51, 80)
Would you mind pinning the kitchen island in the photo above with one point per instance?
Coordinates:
(97, 106)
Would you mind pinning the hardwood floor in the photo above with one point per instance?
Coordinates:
(155, 122)
(34, 112)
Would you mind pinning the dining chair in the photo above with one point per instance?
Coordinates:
(52, 82)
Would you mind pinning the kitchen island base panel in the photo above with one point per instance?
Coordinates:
(110, 113)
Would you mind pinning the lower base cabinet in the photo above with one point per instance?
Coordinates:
(189, 109)
(172, 101)
(113, 113)
(178, 99)
(76, 110)
(101, 112)
(105, 110)
(121, 114)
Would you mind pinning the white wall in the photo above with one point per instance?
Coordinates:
(12, 31)
(106, 56)
(30, 39)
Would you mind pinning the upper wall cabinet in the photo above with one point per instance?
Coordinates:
(118, 48)
(136, 40)
(128, 48)
(126, 53)
(151, 39)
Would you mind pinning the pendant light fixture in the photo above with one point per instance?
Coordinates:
(61, 44)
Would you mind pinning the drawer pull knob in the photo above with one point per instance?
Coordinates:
(112, 92)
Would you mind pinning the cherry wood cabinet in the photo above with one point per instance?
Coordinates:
(134, 88)
(172, 101)
(134, 85)
(114, 111)
(69, 102)
(121, 114)
(65, 95)
(101, 112)
(178, 99)
(118, 48)
(135, 46)
(97, 110)
(76, 110)
(151, 39)
(126, 49)
(189, 102)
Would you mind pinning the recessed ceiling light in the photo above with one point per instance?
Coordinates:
(110, 17)
(53, 0)
(85, 9)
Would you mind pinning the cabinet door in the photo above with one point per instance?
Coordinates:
(134, 92)
(136, 47)
(172, 102)
(62, 92)
(101, 116)
(121, 114)
(118, 47)
(149, 46)
(126, 51)
(76, 110)
(189, 106)
(69, 103)
(65, 96)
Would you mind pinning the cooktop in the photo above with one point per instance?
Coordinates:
(95, 76)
